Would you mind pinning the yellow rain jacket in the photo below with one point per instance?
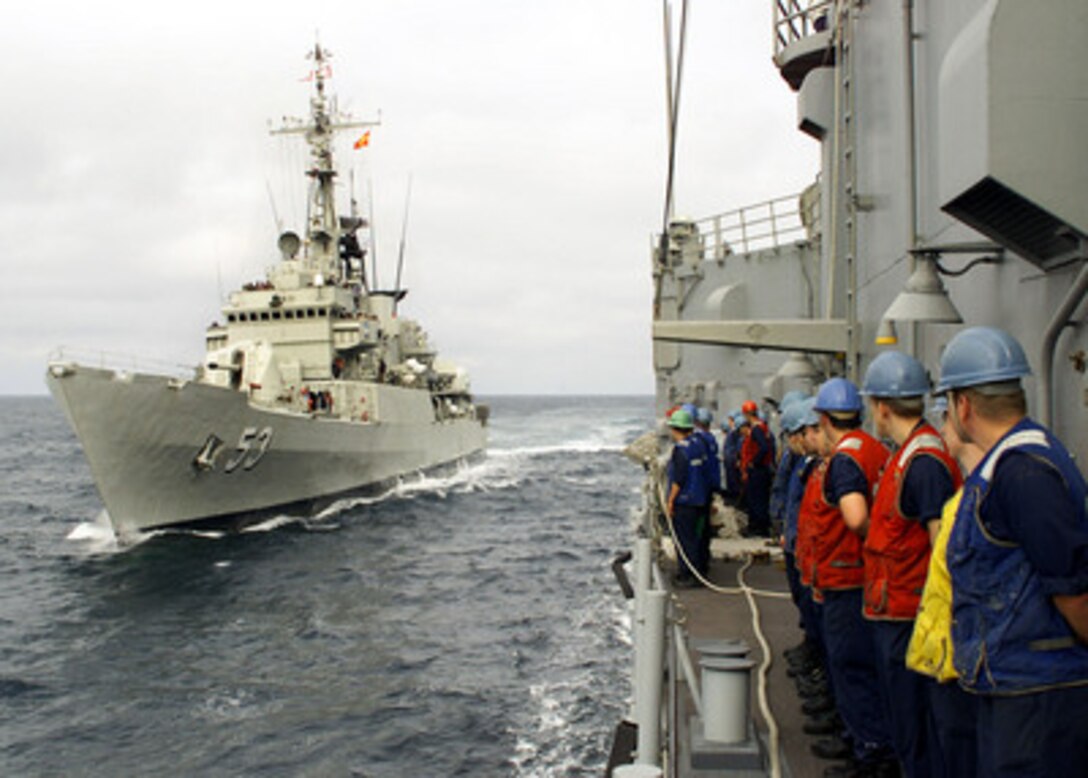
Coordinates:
(930, 649)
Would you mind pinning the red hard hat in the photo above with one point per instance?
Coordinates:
(749, 407)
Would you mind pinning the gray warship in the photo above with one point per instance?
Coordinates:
(952, 192)
(313, 388)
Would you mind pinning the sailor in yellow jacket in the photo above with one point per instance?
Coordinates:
(930, 649)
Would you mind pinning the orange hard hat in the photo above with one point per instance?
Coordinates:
(749, 407)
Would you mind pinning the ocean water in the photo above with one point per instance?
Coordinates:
(467, 625)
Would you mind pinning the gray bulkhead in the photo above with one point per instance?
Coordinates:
(1000, 103)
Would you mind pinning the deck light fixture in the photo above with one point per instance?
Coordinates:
(924, 298)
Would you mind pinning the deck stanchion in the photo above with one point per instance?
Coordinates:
(649, 663)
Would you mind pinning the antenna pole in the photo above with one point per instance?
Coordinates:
(272, 201)
(373, 238)
(403, 237)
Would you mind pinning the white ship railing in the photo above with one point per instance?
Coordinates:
(120, 362)
(797, 19)
(766, 225)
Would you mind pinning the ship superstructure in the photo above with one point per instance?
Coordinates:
(951, 193)
(312, 387)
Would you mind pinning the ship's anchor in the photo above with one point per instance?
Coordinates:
(205, 458)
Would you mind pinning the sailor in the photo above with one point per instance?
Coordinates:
(731, 455)
(808, 664)
(1018, 558)
(687, 496)
(838, 511)
(793, 427)
(757, 469)
(952, 710)
(786, 463)
(906, 513)
(703, 419)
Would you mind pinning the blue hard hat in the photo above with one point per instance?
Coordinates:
(895, 374)
(806, 413)
(791, 418)
(740, 420)
(690, 408)
(789, 398)
(837, 395)
(981, 355)
(937, 410)
(704, 416)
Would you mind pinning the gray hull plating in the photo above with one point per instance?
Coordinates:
(165, 452)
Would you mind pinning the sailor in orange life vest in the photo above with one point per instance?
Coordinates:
(757, 471)
(906, 513)
(1018, 560)
(838, 498)
(806, 662)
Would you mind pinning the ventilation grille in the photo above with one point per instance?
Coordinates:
(1015, 222)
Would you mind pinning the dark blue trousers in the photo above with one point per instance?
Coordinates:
(687, 521)
(955, 717)
(812, 619)
(906, 698)
(848, 641)
(757, 499)
(1034, 735)
(793, 578)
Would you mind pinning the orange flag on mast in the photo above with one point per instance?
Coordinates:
(364, 140)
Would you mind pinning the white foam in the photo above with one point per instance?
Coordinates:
(98, 537)
(484, 476)
(270, 524)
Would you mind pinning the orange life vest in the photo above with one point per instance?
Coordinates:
(897, 548)
(836, 559)
(749, 450)
(814, 488)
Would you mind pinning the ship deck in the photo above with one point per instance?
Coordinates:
(712, 615)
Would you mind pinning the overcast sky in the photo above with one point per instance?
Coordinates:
(136, 165)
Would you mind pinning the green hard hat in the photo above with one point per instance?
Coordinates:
(681, 419)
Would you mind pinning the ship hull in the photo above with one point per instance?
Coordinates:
(166, 452)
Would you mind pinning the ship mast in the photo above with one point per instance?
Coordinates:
(321, 252)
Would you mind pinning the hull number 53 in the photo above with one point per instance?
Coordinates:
(251, 446)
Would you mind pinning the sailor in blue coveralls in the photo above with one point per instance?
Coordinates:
(688, 494)
(703, 419)
(731, 444)
(1018, 559)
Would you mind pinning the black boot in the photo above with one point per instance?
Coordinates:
(818, 705)
(833, 747)
(826, 723)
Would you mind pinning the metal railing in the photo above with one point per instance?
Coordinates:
(766, 225)
(124, 363)
(797, 19)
